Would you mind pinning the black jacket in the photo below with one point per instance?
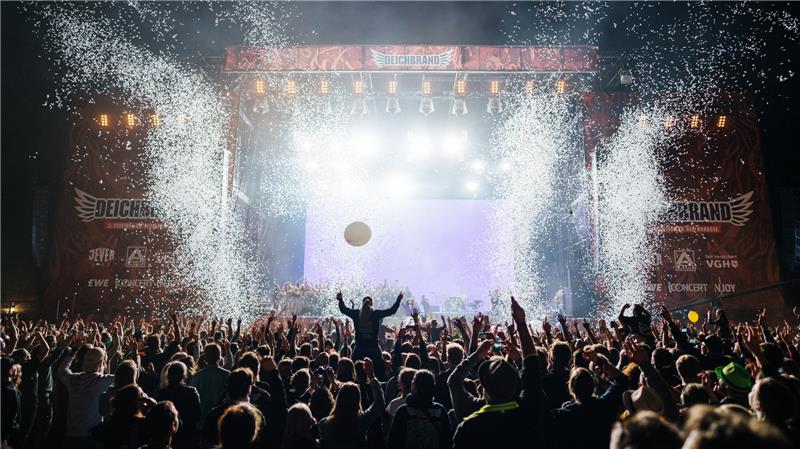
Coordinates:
(521, 424)
(418, 425)
(588, 425)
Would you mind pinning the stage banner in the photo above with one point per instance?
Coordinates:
(110, 252)
(716, 236)
(412, 58)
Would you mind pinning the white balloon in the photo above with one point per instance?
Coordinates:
(357, 233)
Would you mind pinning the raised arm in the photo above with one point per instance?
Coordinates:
(352, 313)
(391, 310)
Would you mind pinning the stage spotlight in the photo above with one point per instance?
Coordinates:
(324, 87)
(364, 144)
(530, 85)
(642, 120)
(669, 121)
(459, 107)
(505, 166)
(722, 121)
(453, 145)
(291, 86)
(392, 87)
(419, 146)
(495, 106)
(103, 120)
(358, 87)
(426, 88)
(471, 186)
(426, 106)
(359, 106)
(130, 120)
(694, 122)
(154, 120)
(626, 77)
(461, 87)
(393, 105)
(494, 87)
(397, 185)
(478, 166)
(561, 86)
(261, 87)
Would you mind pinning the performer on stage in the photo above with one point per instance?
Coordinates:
(366, 322)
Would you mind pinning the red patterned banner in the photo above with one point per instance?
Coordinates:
(717, 236)
(395, 58)
(110, 253)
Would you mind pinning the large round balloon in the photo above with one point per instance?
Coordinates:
(357, 233)
(693, 316)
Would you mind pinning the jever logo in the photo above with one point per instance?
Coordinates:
(439, 60)
(735, 211)
(91, 208)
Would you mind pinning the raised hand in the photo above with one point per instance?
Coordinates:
(339, 296)
(400, 296)
(665, 314)
(511, 350)
(546, 326)
(484, 349)
(517, 312)
(637, 354)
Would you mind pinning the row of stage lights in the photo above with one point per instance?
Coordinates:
(694, 122)
(130, 120)
(458, 97)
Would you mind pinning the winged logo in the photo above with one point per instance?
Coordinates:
(736, 211)
(85, 205)
(410, 60)
(741, 208)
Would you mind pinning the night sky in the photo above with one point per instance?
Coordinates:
(34, 137)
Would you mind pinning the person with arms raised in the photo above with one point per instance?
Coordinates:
(367, 322)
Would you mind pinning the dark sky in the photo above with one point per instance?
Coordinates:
(34, 138)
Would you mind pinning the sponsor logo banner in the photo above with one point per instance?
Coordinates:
(136, 257)
(146, 283)
(721, 261)
(98, 283)
(388, 60)
(652, 288)
(687, 288)
(736, 211)
(92, 208)
(684, 260)
(101, 256)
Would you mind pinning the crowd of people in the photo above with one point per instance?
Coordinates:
(354, 382)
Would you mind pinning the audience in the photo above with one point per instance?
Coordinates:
(372, 381)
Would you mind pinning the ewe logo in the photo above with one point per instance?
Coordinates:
(384, 60)
(684, 260)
